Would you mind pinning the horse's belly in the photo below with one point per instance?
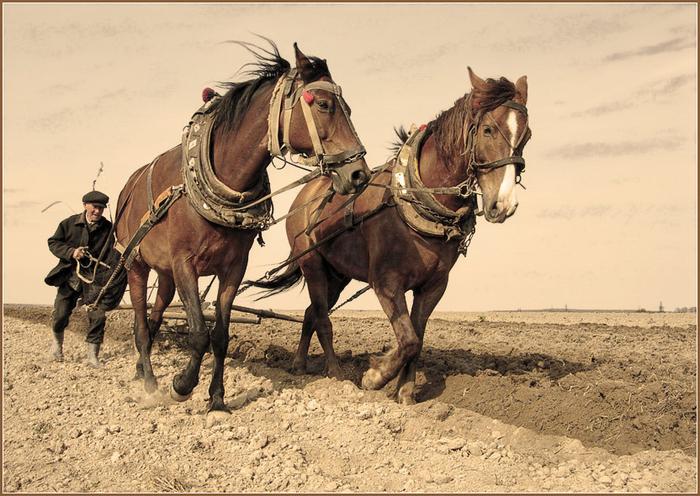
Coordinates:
(348, 255)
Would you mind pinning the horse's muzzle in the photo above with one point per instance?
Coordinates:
(350, 178)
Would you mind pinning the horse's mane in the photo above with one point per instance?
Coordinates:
(268, 66)
(401, 138)
(450, 126)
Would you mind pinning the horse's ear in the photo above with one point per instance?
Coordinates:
(521, 88)
(476, 81)
(304, 65)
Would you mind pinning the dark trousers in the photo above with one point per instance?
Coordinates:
(63, 306)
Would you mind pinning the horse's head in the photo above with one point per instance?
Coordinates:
(496, 137)
(317, 124)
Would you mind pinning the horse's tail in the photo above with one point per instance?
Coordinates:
(278, 283)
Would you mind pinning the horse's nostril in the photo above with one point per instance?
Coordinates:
(358, 176)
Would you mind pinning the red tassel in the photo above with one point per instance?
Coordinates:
(208, 94)
(308, 97)
(423, 127)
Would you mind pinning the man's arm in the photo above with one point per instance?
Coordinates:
(58, 245)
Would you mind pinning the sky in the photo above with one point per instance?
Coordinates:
(609, 217)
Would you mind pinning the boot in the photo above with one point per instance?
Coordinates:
(93, 351)
(57, 347)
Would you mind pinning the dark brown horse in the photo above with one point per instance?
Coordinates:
(411, 224)
(307, 113)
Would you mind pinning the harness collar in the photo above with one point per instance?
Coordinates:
(417, 204)
(209, 196)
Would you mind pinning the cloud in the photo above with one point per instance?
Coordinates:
(555, 32)
(390, 61)
(22, 204)
(601, 149)
(610, 211)
(655, 90)
(72, 113)
(665, 87)
(568, 213)
(672, 45)
(604, 108)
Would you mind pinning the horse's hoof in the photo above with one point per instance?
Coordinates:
(138, 374)
(151, 385)
(372, 379)
(299, 367)
(334, 373)
(177, 396)
(215, 417)
(407, 400)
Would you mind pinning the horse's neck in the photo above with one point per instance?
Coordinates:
(435, 173)
(241, 156)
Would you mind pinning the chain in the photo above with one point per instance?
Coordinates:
(466, 241)
(353, 297)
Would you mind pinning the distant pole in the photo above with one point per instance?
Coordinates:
(566, 307)
(661, 307)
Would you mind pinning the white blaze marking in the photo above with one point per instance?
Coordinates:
(513, 127)
(506, 193)
(507, 185)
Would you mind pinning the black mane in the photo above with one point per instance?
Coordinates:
(401, 138)
(268, 67)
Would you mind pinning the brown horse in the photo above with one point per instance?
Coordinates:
(195, 238)
(410, 225)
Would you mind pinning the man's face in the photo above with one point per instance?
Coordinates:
(93, 212)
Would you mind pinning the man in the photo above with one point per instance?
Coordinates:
(74, 238)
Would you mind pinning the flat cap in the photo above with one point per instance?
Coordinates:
(96, 197)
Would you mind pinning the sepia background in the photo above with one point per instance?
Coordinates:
(609, 216)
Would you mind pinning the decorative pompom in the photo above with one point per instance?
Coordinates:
(423, 127)
(208, 94)
(308, 97)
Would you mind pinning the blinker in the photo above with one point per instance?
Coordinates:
(308, 97)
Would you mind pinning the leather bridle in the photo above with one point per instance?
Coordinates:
(515, 159)
(285, 96)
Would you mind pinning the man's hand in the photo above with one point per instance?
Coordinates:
(79, 252)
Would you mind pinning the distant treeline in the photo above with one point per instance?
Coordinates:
(596, 310)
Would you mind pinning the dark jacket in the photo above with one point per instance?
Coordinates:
(70, 234)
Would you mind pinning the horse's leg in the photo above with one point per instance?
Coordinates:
(307, 331)
(228, 285)
(393, 301)
(165, 294)
(166, 291)
(425, 299)
(186, 283)
(318, 281)
(336, 285)
(138, 283)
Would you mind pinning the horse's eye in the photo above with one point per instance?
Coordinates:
(488, 131)
(324, 105)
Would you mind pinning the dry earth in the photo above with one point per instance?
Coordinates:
(509, 401)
